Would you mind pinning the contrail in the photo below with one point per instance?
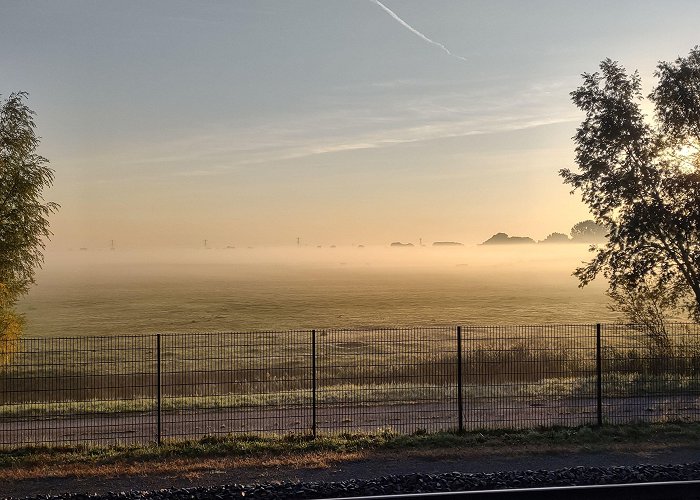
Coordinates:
(415, 31)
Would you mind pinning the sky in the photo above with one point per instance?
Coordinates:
(254, 123)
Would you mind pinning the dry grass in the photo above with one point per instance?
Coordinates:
(195, 457)
(182, 466)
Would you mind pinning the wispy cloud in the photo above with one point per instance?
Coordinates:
(213, 148)
(429, 115)
(415, 31)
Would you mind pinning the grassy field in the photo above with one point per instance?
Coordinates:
(62, 371)
(130, 292)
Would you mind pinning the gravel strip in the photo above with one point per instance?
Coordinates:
(416, 483)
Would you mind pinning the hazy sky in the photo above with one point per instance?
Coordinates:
(338, 121)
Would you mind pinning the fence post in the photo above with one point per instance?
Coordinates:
(460, 403)
(313, 383)
(158, 388)
(599, 374)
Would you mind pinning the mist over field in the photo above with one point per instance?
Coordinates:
(133, 292)
(254, 123)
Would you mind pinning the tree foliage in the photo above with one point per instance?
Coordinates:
(648, 306)
(588, 231)
(24, 224)
(11, 324)
(640, 177)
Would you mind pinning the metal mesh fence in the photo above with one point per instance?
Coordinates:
(224, 383)
(141, 389)
(529, 376)
(402, 379)
(651, 374)
(97, 390)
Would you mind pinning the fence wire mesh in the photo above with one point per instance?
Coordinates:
(141, 389)
(402, 379)
(97, 390)
(529, 376)
(224, 383)
(651, 374)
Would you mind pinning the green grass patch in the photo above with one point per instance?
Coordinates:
(614, 385)
(584, 437)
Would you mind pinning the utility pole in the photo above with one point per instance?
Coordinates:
(205, 243)
(111, 245)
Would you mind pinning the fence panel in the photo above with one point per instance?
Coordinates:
(529, 376)
(105, 390)
(651, 374)
(98, 390)
(399, 379)
(236, 383)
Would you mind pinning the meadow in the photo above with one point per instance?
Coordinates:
(235, 330)
(102, 292)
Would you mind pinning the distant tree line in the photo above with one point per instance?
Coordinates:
(587, 231)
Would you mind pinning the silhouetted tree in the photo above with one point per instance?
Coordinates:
(504, 239)
(648, 305)
(24, 224)
(556, 238)
(588, 231)
(641, 180)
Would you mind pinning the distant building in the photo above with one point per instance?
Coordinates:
(447, 244)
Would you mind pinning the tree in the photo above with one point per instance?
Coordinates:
(648, 306)
(556, 238)
(640, 177)
(504, 239)
(588, 231)
(24, 224)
